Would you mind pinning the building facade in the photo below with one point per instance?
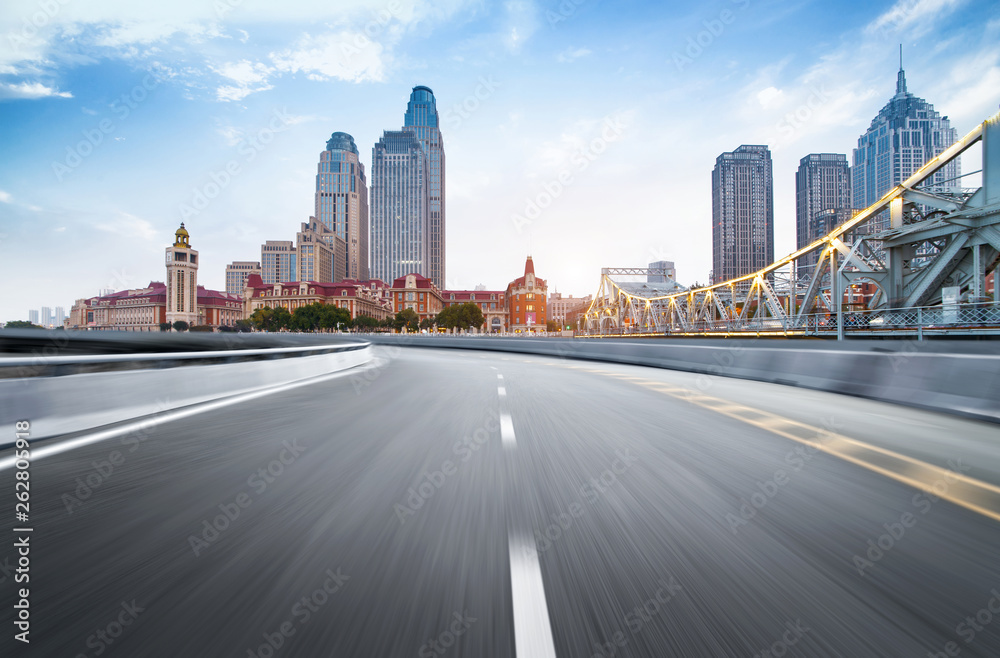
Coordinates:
(422, 119)
(563, 310)
(33, 317)
(399, 206)
(742, 212)
(278, 261)
(490, 302)
(342, 201)
(416, 291)
(237, 273)
(822, 182)
(322, 255)
(182, 280)
(369, 298)
(526, 298)
(906, 133)
(669, 272)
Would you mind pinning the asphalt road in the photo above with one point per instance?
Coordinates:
(477, 504)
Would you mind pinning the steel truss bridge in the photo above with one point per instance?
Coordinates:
(922, 273)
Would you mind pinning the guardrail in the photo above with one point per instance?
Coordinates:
(63, 394)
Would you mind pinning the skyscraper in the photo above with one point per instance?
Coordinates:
(342, 201)
(33, 316)
(906, 133)
(422, 118)
(278, 263)
(237, 273)
(822, 182)
(322, 254)
(400, 206)
(742, 212)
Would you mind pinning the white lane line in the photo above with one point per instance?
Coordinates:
(502, 390)
(493, 367)
(500, 376)
(507, 438)
(532, 629)
(170, 416)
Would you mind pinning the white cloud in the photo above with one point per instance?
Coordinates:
(5, 196)
(248, 76)
(344, 55)
(770, 97)
(571, 54)
(914, 16)
(129, 226)
(31, 90)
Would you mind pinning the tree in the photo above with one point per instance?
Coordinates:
(551, 325)
(201, 328)
(461, 316)
(22, 324)
(366, 322)
(307, 318)
(271, 319)
(164, 326)
(243, 326)
(408, 319)
(180, 325)
(427, 323)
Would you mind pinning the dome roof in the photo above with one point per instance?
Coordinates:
(343, 142)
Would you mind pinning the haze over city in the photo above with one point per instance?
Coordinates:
(116, 119)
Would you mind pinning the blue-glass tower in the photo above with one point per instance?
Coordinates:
(422, 119)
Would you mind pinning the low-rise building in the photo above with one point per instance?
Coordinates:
(526, 301)
(491, 302)
(369, 298)
(416, 292)
(564, 310)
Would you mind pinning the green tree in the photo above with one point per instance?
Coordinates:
(201, 328)
(180, 325)
(307, 318)
(366, 322)
(164, 326)
(552, 325)
(243, 326)
(21, 324)
(271, 319)
(427, 323)
(281, 319)
(261, 318)
(461, 316)
(408, 319)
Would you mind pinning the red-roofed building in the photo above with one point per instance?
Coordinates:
(526, 297)
(143, 309)
(369, 298)
(491, 302)
(417, 292)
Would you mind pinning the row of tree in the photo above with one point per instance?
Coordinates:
(327, 317)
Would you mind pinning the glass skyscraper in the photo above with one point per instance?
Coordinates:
(822, 182)
(742, 212)
(422, 118)
(342, 201)
(906, 133)
(400, 206)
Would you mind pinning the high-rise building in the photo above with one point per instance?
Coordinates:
(422, 118)
(822, 182)
(46, 316)
(237, 273)
(182, 280)
(322, 254)
(742, 212)
(399, 207)
(667, 267)
(60, 316)
(342, 201)
(278, 263)
(906, 133)
(33, 316)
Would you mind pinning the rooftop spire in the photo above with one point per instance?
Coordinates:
(900, 77)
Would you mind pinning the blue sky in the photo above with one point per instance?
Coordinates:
(116, 116)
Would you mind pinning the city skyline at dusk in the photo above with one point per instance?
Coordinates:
(583, 133)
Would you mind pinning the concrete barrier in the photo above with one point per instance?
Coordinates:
(960, 377)
(72, 393)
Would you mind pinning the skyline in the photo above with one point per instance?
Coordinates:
(607, 95)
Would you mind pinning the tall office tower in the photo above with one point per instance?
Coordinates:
(60, 316)
(422, 118)
(906, 133)
(46, 316)
(237, 273)
(742, 212)
(822, 182)
(277, 262)
(342, 201)
(33, 316)
(182, 280)
(669, 273)
(322, 254)
(399, 207)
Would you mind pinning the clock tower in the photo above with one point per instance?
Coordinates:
(182, 279)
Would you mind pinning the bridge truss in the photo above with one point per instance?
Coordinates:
(912, 276)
